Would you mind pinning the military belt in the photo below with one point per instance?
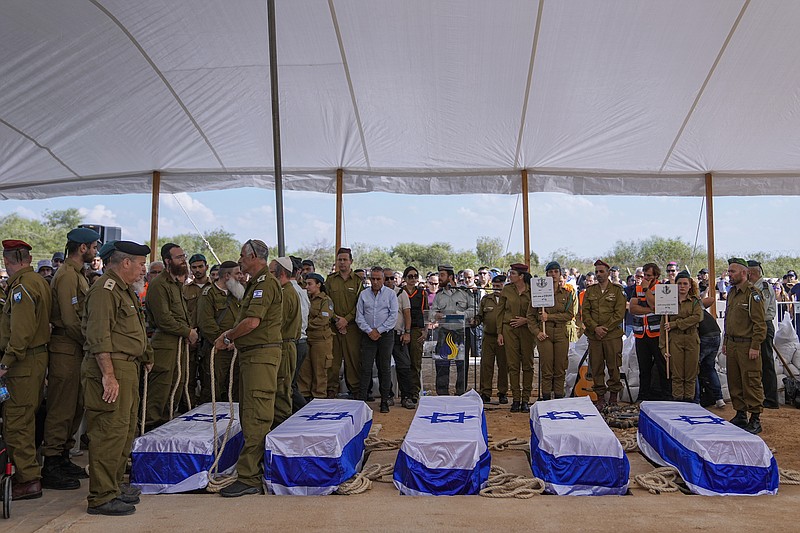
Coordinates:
(257, 346)
(38, 349)
(287, 341)
(123, 356)
(739, 339)
(58, 331)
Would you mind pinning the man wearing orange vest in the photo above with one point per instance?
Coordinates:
(647, 329)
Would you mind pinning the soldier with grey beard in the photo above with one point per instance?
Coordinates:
(217, 309)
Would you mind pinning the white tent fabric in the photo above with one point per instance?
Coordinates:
(418, 96)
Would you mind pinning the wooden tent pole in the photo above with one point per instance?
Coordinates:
(156, 191)
(526, 230)
(339, 202)
(276, 127)
(712, 274)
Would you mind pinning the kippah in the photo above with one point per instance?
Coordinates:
(83, 235)
(285, 262)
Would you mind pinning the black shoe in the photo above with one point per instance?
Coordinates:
(503, 398)
(515, 407)
(128, 498)
(740, 420)
(524, 407)
(115, 507)
(546, 396)
(754, 425)
(486, 399)
(71, 469)
(408, 403)
(390, 402)
(384, 407)
(237, 489)
(771, 405)
(53, 477)
(130, 490)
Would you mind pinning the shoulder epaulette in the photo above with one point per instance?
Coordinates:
(205, 291)
(109, 284)
(261, 278)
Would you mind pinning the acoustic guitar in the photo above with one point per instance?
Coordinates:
(583, 382)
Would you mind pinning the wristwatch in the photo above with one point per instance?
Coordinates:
(226, 340)
(406, 331)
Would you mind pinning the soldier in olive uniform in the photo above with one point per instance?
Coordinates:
(745, 330)
(313, 381)
(167, 314)
(64, 402)
(603, 313)
(549, 327)
(217, 310)
(198, 368)
(24, 334)
(281, 268)
(257, 335)
(343, 288)
(683, 352)
(515, 299)
(116, 345)
(491, 352)
(769, 379)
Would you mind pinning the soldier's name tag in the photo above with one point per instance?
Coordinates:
(351, 289)
(258, 293)
(490, 308)
(74, 300)
(325, 313)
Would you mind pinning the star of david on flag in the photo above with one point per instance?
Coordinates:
(565, 415)
(203, 417)
(698, 420)
(443, 418)
(329, 416)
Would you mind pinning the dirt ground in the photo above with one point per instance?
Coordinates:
(383, 509)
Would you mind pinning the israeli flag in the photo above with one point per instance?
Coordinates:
(317, 448)
(573, 450)
(446, 451)
(714, 457)
(177, 456)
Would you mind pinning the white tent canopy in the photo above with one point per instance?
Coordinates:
(622, 97)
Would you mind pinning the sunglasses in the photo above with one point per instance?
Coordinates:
(413, 276)
(671, 271)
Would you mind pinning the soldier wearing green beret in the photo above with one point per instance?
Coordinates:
(257, 336)
(745, 330)
(24, 334)
(64, 402)
(116, 345)
(344, 286)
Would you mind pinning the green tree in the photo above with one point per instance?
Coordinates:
(46, 237)
(223, 242)
(321, 252)
(61, 219)
(489, 250)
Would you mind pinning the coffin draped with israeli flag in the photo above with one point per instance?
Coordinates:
(446, 451)
(177, 456)
(317, 448)
(714, 457)
(574, 451)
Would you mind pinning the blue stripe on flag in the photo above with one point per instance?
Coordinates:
(309, 471)
(166, 468)
(719, 478)
(441, 481)
(586, 470)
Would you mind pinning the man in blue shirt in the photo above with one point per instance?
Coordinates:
(376, 316)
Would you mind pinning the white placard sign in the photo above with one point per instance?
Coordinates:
(542, 292)
(666, 299)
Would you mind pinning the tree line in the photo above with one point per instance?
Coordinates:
(48, 236)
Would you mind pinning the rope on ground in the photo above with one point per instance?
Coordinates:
(502, 484)
(513, 443)
(789, 477)
(659, 480)
(628, 442)
(375, 444)
(622, 417)
(217, 481)
(380, 473)
(362, 481)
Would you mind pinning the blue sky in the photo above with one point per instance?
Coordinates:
(586, 225)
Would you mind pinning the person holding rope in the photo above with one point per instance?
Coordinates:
(552, 327)
(116, 345)
(291, 326)
(313, 378)
(217, 309)
(257, 337)
(683, 352)
(515, 299)
(603, 313)
(168, 316)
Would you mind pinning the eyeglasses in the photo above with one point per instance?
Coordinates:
(671, 271)
(178, 257)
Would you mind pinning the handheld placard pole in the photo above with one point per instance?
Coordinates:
(666, 351)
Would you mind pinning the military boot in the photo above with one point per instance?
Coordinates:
(612, 398)
(754, 425)
(54, 478)
(740, 420)
(71, 469)
(515, 406)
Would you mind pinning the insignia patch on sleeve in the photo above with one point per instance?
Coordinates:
(258, 293)
(756, 297)
(17, 298)
(74, 300)
(325, 313)
(109, 284)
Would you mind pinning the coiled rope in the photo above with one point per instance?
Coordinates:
(375, 444)
(628, 441)
(502, 484)
(659, 480)
(217, 481)
(789, 477)
(362, 481)
(513, 443)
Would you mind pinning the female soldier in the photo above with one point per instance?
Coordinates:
(313, 379)
(515, 299)
(683, 352)
(550, 329)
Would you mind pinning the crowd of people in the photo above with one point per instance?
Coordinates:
(95, 326)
